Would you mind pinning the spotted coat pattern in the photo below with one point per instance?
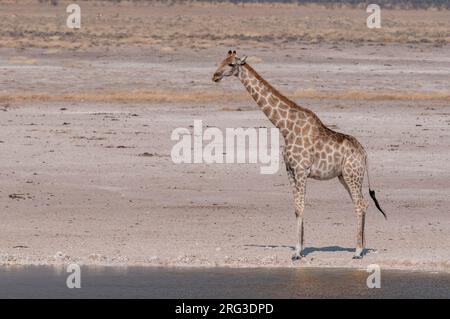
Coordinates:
(311, 149)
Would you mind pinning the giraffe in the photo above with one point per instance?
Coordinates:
(311, 150)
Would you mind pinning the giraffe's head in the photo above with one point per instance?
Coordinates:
(231, 65)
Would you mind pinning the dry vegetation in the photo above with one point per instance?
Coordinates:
(162, 96)
(204, 25)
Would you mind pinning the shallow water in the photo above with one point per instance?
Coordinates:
(141, 282)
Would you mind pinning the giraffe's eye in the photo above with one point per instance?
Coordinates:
(231, 64)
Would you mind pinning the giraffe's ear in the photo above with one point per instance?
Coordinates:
(243, 60)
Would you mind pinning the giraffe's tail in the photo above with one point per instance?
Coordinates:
(372, 192)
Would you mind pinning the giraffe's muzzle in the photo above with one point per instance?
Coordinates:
(217, 77)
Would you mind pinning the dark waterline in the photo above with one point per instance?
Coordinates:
(142, 282)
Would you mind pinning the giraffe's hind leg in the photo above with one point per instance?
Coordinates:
(352, 180)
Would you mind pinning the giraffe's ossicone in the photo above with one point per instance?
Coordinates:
(311, 149)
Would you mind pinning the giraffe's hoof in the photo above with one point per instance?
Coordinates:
(357, 257)
(297, 256)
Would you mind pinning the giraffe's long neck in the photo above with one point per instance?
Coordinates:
(275, 105)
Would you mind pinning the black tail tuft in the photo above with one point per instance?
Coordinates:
(372, 194)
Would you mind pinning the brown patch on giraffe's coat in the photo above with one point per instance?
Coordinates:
(305, 129)
(272, 100)
(292, 115)
(275, 117)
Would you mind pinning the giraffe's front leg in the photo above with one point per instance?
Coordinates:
(299, 201)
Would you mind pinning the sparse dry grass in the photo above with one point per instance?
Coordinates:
(22, 60)
(199, 26)
(162, 96)
(126, 96)
(379, 95)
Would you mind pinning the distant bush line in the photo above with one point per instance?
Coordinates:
(389, 4)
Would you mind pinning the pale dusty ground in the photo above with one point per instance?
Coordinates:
(74, 188)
